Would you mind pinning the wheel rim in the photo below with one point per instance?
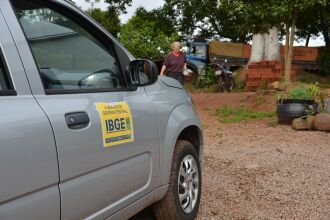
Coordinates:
(188, 184)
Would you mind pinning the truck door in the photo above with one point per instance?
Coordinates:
(106, 135)
(28, 161)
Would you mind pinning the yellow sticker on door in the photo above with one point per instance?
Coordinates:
(117, 123)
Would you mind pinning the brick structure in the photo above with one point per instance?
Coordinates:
(265, 72)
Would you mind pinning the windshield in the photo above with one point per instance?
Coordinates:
(198, 49)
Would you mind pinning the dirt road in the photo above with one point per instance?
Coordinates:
(255, 170)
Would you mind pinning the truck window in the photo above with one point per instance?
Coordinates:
(198, 50)
(67, 55)
(5, 84)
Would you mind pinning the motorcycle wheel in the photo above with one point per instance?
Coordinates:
(221, 83)
(230, 84)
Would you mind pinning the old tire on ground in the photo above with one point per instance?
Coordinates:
(290, 109)
(183, 196)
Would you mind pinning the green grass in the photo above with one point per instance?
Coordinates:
(236, 115)
(309, 78)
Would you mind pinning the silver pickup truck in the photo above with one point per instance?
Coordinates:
(87, 131)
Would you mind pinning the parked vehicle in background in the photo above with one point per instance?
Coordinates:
(202, 53)
(87, 131)
(224, 77)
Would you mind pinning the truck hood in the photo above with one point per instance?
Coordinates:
(170, 82)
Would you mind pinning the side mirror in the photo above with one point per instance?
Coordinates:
(142, 72)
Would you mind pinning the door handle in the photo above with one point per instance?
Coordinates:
(77, 120)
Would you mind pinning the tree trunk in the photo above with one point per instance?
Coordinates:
(326, 36)
(290, 53)
(257, 52)
(288, 62)
(272, 46)
(286, 53)
(325, 29)
(307, 39)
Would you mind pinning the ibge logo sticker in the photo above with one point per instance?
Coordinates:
(117, 123)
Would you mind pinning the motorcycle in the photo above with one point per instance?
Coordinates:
(224, 77)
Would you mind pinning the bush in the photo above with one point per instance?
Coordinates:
(206, 78)
(312, 92)
(299, 92)
(239, 79)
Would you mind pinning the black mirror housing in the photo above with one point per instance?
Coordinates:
(142, 72)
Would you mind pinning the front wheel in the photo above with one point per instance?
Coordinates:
(221, 83)
(230, 84)
(183, 196)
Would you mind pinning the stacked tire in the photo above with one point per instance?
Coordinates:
(290, 109)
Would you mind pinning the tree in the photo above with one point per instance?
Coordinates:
(209, 19)
(265, 46)
(148, 34)
(119, 5)
(235, 19)
(290, 11)
(108, 19)
(324, 23)
(308, 25)
(315, 21)
(262, 15)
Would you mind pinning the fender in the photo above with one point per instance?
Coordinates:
(181, 117)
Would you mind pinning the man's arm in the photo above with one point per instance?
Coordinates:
(163, 70)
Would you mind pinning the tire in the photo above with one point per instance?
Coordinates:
(170, 207)
(290, 109)
(221, 84)
(229, 84)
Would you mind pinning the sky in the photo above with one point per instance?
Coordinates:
(151, 4)
(147, 4)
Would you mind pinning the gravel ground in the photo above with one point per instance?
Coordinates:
(257, 171)
(254, 170)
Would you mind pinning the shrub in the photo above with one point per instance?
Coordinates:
(206, 78)
(299, 92)
(239, 79)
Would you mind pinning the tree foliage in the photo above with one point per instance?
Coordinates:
(210, 19)
(314, 22)
(108, 19)
(324, 22)
(262, 14)
(148, 34)
(119, 5)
